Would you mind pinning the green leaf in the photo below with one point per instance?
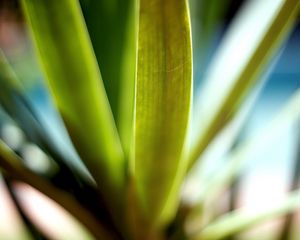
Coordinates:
(10, 163)
(112, 18)
(215, 155)
(8, 77)
(162, 105)
(116, 54)
(127, 82)
(19, 108)
(71, 69)
(226, 174)
(265, 25)
(288, 116)
(240, 220)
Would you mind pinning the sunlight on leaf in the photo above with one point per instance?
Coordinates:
(162, 107)
(70, 66)
(127, 82)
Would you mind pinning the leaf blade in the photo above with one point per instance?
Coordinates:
(163, 99)
(116, 55)
(272, 33)
(288, 116)
(71, 70)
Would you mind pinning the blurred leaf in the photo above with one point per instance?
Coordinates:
(215, 155)
(14, 228)
(241, 220)
(10, 163)
(69, 64)
(66, 177)
(34, 232)
(288, 116)
(50, 218)
(287, 226)
(19, 108)
(265, 25)
(207, 18)
(15, 103)
(162, 107)
(206, 15)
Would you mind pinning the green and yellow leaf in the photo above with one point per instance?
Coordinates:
(162, 105)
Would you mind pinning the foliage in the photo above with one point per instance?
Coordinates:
(135, 125)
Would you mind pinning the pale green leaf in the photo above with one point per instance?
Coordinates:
(288, 222)
(288, 116)
(71, 69)
(241, 219)
(214, 156)
(162, 104)
(250, 44)
(212, 188)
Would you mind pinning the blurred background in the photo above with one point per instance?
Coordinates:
(268, 175)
